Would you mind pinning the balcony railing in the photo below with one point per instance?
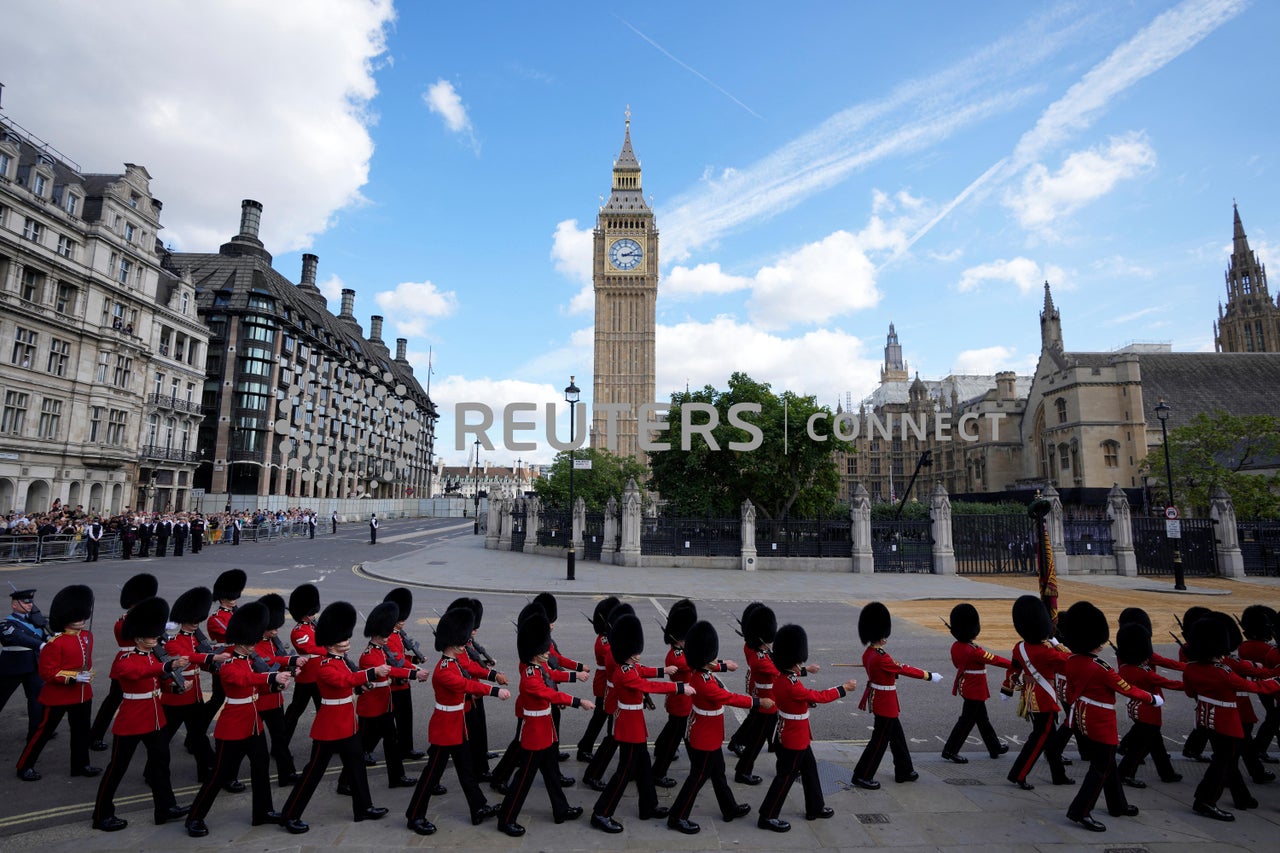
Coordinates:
(169, 401)
(169, 454)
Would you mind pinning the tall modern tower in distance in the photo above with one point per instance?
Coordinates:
(625, 280)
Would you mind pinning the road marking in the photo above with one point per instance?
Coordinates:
(661, 609)
(275, 571)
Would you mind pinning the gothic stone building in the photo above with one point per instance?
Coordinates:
(1250, 321)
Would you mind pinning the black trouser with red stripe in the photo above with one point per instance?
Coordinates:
(302, 694)
(380, 728)
(437, 759)
(544, 761)
(478, 735)
(1040, 740)
(1223, 772)
(756, 730)
(273, 720)
(78, 721)
(197, 739)
(594, 725)
(1142, 740)
(600, 762)
(633, 763)
(793, 763)
(1270, 724)
(402, 711)
(106, 712)
(512, 757)
(667, 742)
(348, 750)
(973, 713)
(226, 766)
(705, 765)
(1101, 778)
(886, 733)
(156, 773)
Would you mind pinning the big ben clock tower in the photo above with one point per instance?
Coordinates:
(625, 279)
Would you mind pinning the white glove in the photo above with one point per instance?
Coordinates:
(1005, 697)
(171, 627)
(935, 677)
(1053, 641)
(84, 677)
(1157, 701)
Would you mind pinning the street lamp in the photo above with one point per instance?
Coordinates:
(476, 531)
(571, 395)
(1162, 413)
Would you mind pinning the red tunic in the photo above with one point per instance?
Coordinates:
(447, 726)
(216, 624)
(556, 676)
(1167, 663)
(61, 660)
(761, 674)
(239, 716)
(1092, 686)
(139, 675)
(1037, 667)
(184, 645)
(303, 638)
(395, 646)
(535, 700)
(336, 681)
(881, 696)
(679, 704)
(610, 693)
(118, 630)
(630, 686)
(270, 700)
(1246, 669)
(559, 661)
(1146, 677)
(970, 660)
(794, 701)
(706, 724)
(603, 660)
(1214, 687)
(376, 700)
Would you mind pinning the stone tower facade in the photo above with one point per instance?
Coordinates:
(1250, 321)
(625, 279)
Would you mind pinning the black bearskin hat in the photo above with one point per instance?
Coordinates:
(548, 602)
(965, 624)
(1084, 627)
(626, 638)
(304, 602)
(275, 610)
(1031, 620)
(533, 637)
(1234, 637)
(790, 647)
(746, 615)
(337, 623)
(1193, 614)
(680, 618)
(230, 585)
(1135, 614)
(145, 619)
(623, 609)
(476, 608)
(454, 628)
(247, 625)
(403, 597)
(71, 604)
(759, 626)
(1133, 643)
(600, 616)
(1256, 622)
(382, 620)
(528, 610)
(192, 607)
(874, 623)
(701, 645)
(1207, 639)
(137, 588)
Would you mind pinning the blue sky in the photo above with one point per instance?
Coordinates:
(815, 174)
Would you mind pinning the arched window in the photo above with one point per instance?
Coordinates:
(1111, 454)
(1060, 405)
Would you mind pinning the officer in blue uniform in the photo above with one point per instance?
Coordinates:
(22, 633)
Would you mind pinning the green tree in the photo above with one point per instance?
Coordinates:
(607, 477)
(1219, 449)
(788, 475)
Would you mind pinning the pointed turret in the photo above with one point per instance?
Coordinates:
(894, 369)
(627, 194)
(1250, 321)
(1050, 323)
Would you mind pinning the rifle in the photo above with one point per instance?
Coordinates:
(162, 655)
(361, 688)
(411, 646)
(260, 664)
(1176, 640)
(584, 616)
(204, 647)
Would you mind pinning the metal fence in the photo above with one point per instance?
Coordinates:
(593, 536)
(554, 528)
(519, 518)
(994, 544)
(1087, 537)
(1154, 549)
(695, 537)
(58, 548)
(1260, 546)
(796, 537)
(902, 545)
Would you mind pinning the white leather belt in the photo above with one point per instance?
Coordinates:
(1095, 703)
(545, 712)
(1244, 693)
(189, 674)
(128, 648)
(758, 686)
(241, 700)
(787, 716)
(17, 649)
(622, 706)
(608, 683)
(1218, 702)
(884, 687)
(982, 671)
(457, 707)
(386, 683)
(718, 712)
(153, 694)
(346, 700)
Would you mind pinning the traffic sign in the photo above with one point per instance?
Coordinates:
(1173, 528)
(1171, 512)
(582, 464)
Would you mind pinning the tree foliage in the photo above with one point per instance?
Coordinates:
(1220, 449)
(607, 477)
(788, 475)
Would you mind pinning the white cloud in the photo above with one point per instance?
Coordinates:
(571, 252)
(821, 280)
(1137, 315)
(1085, 176)
(276, 109)
(986, 360)
(451, 391)
(701, 280)
(412, 306)
(1025, 273)
(332, 287)
(443, 100)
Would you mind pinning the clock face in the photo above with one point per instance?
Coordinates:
(625, 254)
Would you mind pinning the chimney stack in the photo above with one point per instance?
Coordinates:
(1005, 385)
(348, 303)
(375, 328)
(402, 346)
(309, 264)
(250, 218)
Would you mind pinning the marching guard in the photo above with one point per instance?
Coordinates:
(1145, 738)
(404, 651)
(680, 619)
(1034, 664)
(137, 588)
(304, 607)
(593, 777)
(1257, 622)
(272, 656)
(186, 707)
(971, 660)
(759, 625)
(599, 624)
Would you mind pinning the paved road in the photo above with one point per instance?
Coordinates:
(950, 807)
